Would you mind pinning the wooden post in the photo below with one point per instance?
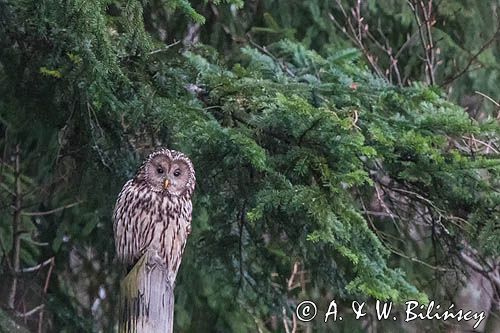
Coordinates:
(147, 298)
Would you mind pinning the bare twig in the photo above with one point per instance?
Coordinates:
(296, 271)
(492, 275)
(407, 43)
(264, 50)
(37, 267)
(31, 312)
(8, 190)
(427, 12)
(433, 267)
(4, 157)
(286, 320)
(163, 49)
(474, 57)
(492, 101)
(488, 146)
(49, 273)
(5, 254)
(45, 288)
(488, 98)
(95, 126)
(291, 284)
(52, 211)
(425, 36)
(355, 34)
(16, 235)
(240, 242)
(384, 205)
(386, 48)
(489, 270)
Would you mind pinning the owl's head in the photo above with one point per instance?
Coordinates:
(169, 172)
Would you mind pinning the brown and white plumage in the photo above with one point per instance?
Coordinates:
(153, 210)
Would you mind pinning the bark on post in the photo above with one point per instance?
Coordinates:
(146, 298)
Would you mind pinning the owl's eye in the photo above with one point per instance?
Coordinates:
(159, 170)
(177, 173)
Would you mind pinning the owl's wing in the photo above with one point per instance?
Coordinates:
(130, 223)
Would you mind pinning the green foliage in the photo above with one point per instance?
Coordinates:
(467, 47)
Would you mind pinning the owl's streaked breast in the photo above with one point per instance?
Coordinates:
(151, 215)
(149, 220)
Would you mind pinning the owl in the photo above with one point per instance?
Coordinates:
(153, 210)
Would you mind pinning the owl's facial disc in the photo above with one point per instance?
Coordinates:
(165, 175)
(177, 177)
(156, 172)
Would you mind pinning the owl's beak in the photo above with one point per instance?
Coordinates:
(166, 183)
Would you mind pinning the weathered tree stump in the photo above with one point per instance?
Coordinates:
(146, 298)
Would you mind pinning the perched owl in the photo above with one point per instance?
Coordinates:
(153, 210)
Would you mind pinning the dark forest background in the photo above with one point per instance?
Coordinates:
(344, 150)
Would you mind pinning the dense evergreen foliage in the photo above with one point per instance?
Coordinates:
(307, 160)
